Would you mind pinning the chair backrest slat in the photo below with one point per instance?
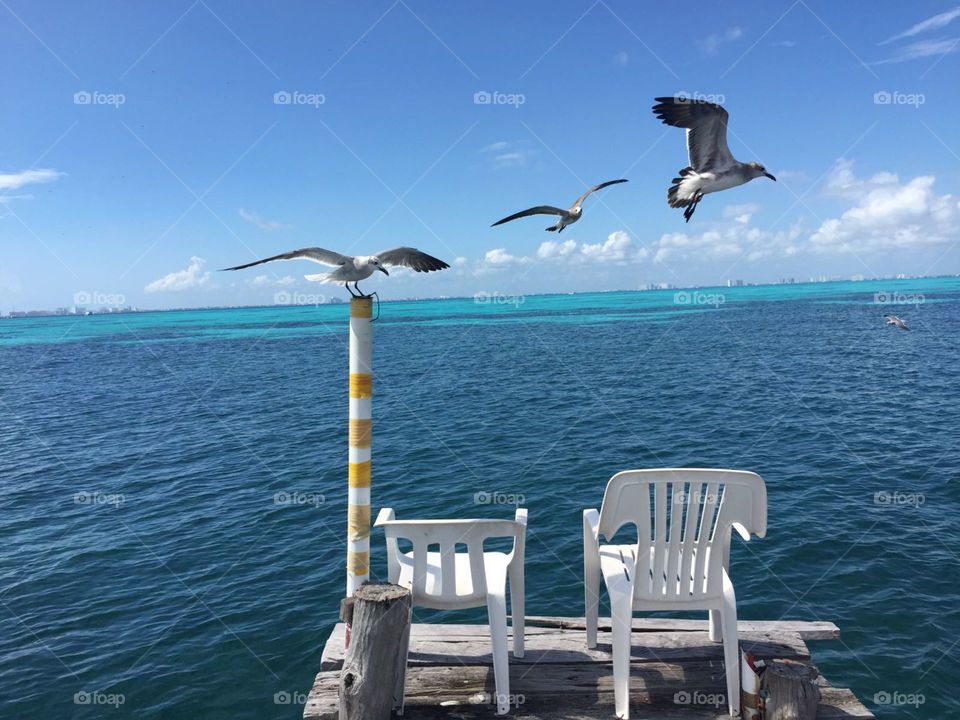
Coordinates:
(683, 538)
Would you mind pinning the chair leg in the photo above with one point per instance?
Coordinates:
(591, 599)
(621, 611)
(716, 628)
(731, 650)
(497, 612)
(517, 609)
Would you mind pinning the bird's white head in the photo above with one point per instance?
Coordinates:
(375, 262)
(758, 170)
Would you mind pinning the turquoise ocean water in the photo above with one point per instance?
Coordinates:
(174, 484)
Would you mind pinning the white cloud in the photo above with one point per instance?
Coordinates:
(266, 280)
(741, 213)
(261, 223)
(844, 183)
(193, 276)
(888, 214)
(555, 248)
(504, 154)
(933, 23)
(922, 49)
(726, 243)
(500, 257)
(711, 44)
(613, 249)
(16, 180)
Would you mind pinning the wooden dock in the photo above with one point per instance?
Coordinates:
(676, 671)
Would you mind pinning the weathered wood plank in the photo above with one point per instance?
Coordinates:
(430, 645)
(583, 693)
(806, 629)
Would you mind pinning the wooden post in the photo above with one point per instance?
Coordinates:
(790, 691)
(358, 475)
(371, 681)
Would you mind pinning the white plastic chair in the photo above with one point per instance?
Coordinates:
(452, 580)
(684, 519)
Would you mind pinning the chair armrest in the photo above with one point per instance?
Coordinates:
(591, 527)
(520, 537)
(742, 531)
(386, 515)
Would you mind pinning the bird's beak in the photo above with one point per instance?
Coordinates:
(384, 271)
(770, 176)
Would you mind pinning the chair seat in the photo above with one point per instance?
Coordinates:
(495, 564)
(617, 562)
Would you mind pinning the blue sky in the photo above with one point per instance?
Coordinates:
(182, 162)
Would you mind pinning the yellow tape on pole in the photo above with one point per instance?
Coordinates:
(359, 475)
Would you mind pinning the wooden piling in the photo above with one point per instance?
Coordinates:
(371, 681)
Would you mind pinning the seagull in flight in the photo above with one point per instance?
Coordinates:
(567, 217)
(897, 322)
(712, 168)
(350, 269)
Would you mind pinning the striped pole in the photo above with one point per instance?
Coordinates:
(361, 393)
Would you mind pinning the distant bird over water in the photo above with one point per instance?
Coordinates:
(712, 168)
(567, 217)
(350, 269)
(897, 322)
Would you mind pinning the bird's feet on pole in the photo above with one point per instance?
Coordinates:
(349, 290)
(362, 294)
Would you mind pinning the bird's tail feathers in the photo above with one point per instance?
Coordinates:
(675, 198)
(554, 228)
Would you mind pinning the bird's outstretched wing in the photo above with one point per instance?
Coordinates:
(538, 210)
(317, 255)
(601, 186)
(411, 258)
(706, 125)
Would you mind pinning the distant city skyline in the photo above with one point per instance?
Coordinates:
(141, 154)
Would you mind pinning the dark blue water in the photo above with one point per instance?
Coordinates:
(144, 557)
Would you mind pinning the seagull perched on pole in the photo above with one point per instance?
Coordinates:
(567, 217)
(897, 322)
(350, 269)
(712, 168)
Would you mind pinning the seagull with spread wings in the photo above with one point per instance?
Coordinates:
(352, 269)
(567, 217)
(712, 167)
